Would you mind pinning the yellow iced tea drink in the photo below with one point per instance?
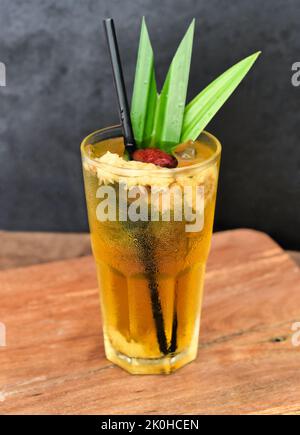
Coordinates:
(151, 270)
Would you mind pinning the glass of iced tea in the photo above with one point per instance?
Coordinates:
(151, 231)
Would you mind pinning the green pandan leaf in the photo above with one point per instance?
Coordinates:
(171, 102)
(205, 105)
(144, 91)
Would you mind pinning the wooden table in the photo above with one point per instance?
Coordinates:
(54, 360)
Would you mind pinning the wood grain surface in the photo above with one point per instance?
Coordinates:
(54, 360)
(19, 249)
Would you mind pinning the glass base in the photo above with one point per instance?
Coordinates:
(150, 366)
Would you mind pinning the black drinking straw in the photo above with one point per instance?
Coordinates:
(119, 84)
(145, 248)
(146, 243)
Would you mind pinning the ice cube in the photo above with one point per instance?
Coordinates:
(188, 153)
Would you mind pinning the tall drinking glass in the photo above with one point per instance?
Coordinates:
(150, 270)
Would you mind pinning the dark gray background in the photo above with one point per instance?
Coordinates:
(59, 88)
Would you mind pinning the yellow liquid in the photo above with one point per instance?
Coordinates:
(151, 282)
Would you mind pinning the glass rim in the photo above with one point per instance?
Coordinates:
(140, 171)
